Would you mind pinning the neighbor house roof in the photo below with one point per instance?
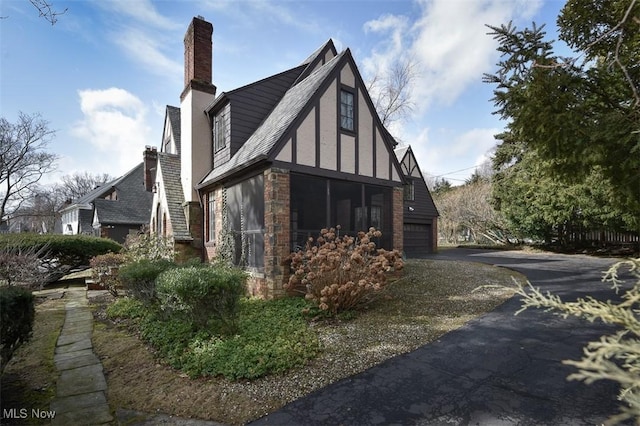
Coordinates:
(262, 141)
(170, 167)
(133, 204)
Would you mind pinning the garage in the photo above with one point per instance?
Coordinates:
(417, 239)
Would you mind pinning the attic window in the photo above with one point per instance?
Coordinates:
(219, 133)
(347, 110)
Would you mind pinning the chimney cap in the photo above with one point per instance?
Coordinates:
(201, 17)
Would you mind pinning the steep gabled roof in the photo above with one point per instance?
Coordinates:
(173, 114)
(262, 141)
(97, 192)
(317, 58)
(170, 169)
(133, 204)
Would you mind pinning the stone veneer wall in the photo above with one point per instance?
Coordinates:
(277, 239)
(398, 218)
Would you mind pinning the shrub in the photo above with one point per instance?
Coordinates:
(148, 246)
(203, 293)
(139, 278)
(16, 320)
(59, 253)
(22, 266)
(104, 271)
(127, 307)
(342, 273)
(273, 337)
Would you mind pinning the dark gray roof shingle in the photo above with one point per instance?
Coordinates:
(260, 144)
(174, 118)
(170, 169)
(133, 204)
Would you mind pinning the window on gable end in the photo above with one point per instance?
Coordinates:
(347, 110)
(409, 191)
(219, 132)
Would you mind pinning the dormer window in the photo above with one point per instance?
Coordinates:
(219, 133)
(347, 110)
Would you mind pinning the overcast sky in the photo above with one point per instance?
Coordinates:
(103, 74)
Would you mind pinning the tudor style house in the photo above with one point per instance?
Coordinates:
(113, 210)
(263, 167)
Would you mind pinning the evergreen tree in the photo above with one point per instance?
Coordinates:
(572, 122)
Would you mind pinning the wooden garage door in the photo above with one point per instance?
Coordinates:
(417, 238)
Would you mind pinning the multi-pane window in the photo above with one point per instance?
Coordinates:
(211, 217)
(219, 132)
(409, 191)
(347, 110)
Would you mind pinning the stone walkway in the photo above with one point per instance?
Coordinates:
(81, 387)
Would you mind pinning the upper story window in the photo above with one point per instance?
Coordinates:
(219, 133)
(347, 110)
(409, 191)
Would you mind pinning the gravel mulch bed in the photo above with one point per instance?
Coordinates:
(432, 298)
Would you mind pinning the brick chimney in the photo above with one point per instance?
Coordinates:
(198, 57)
(150, 158)
(198, 93)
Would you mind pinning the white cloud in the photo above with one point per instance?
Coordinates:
(141, 10)
(115, 125)
(449, 42)
(145, 48)
(461, 154)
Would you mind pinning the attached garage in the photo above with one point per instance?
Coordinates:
(418, 239)
(420, 216)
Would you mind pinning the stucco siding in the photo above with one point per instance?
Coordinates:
(306, 140)
(285, 153)
(347, 77)
(328, 130)
(382, 157)
(347, 154)
(365, 138)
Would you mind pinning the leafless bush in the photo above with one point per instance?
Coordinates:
(342, 273)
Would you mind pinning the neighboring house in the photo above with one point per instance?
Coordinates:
(259, 169)
(113, 210)
(420, 215)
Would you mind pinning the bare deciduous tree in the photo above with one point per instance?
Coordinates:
(390, 90)
(23, 159)
(76, 185)
(467, 210)
(46, 11)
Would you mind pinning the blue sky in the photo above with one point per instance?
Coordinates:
(103, 74)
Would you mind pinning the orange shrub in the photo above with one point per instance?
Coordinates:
(341, 273)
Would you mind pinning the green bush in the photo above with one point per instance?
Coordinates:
(128, 308)
(16, 314)
(203, 293)
(59, 253)
(139, 278)
(273, 337)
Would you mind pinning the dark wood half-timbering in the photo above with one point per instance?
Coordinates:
(288, 155)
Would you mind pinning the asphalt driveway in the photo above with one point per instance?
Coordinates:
(498, 369)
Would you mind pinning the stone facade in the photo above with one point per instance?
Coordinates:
(277, 241)
(398, 220)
